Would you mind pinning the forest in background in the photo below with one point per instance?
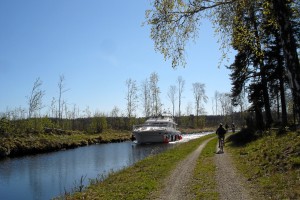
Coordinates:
(100, 124)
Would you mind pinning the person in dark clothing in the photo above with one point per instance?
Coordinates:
(233, 127)
(226, 126)
(221, 134)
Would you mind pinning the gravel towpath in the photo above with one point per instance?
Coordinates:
(175, 185)
(230, 184)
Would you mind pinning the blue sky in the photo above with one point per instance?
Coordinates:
(96, 45)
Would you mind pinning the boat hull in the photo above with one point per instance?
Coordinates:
(160, 129)
(156, 136)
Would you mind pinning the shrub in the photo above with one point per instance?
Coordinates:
(246, 135)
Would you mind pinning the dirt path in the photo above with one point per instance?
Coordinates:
(230, 184)
(175, 185)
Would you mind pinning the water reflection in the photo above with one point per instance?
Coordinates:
(48, 175)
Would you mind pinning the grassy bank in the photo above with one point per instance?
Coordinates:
(142, 180)
(57, 139)
(271, 163)
(39, 143)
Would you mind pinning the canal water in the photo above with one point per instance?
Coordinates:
(46, 176)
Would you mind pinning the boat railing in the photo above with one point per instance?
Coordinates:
(149, 125)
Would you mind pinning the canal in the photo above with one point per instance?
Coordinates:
(46, 176)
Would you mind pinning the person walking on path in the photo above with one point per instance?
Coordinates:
(226, 127)
(233, 127)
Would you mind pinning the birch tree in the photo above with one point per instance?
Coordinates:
(181, 84)
(146, 97)
(172, 97)
(155, 91)
(131, 97)
(199, 95)
(35, 99)
(217, 94)
(225, 103)
(61, 90)
(175, 22)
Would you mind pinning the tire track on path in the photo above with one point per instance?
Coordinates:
(175, 186)
(230, 184)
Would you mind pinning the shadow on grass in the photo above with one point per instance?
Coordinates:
(242, 137)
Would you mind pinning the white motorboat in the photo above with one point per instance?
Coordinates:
(160, 129)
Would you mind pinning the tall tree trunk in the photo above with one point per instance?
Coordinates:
(278, 106)
(283, 103)
(280, 65)
(259, 118)
(283, 13)
(267, 105)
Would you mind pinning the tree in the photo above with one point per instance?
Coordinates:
(131, 97)
(98, 124)
(35, 99)
(199, 95)
(259, 59)
(217, 99)
(225, 103)
(155, 91)
(52, 109)
(276, 68)
(181, 84)
(283, 13)
(172, 96)
(146, 98)
(240, 101)
(173, 23)
(61, 90)
(115, 120)
(87, 112)
(189, 108)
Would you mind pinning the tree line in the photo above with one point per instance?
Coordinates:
(146, 97)
(265, 35)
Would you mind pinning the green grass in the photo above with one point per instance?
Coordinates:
(142, 180)
(203, 185)
(272, 165)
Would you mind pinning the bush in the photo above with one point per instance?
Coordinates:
(4, 127)
(246, 135)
